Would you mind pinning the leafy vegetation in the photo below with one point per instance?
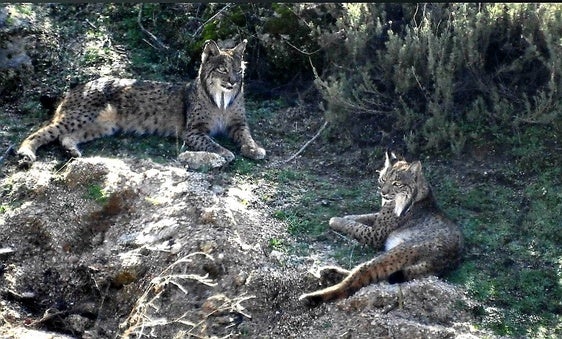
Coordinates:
(95, 192)
(510, 219)
(449, 77)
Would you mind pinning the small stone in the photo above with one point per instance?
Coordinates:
(208, 246)
(77, 322)
(197, 160)
(208, 215)
(240, 279)
(124, 277)
(6, 251)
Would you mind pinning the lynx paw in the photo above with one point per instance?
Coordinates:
(336, 222)
(227, 155)
(253, 152)
(311, 299)
(26, 158)
(331, 275)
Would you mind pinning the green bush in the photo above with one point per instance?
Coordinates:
(442, 76)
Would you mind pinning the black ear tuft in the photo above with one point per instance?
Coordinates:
(390, 158)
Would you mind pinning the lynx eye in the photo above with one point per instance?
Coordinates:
(221, 69)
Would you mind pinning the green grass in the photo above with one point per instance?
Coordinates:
(243, 166)
(95, 192)
(157, 148)
(512, 261)
(314, 200)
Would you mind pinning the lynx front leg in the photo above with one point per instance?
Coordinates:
(367, 219)
(29, 146)
(240, 134)
(365, 234)
(201, 141)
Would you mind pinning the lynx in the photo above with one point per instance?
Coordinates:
(418, 238)
(213, 103)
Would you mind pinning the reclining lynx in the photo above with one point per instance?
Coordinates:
(213, 103)
(418, 239)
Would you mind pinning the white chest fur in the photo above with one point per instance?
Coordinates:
(222, 98)
(397, 237)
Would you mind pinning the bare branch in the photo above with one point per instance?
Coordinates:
(9, 151)
(227, 6)
(152, 36)
(308, 142)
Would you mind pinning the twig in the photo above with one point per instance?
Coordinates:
(91, 24)
(300, 50)
(7, 152)
(49, 314)
(227, 6)
(152, 36)
(308, 142)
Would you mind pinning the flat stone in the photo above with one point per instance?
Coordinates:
(197, 160)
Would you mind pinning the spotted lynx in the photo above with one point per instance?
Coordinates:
(213, 103)
(418, 239)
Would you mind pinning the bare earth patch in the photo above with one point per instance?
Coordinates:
(104, 247)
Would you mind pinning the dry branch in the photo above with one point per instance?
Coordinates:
(147, 32)
(308, 142)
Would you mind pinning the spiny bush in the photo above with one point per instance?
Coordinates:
(441, 76)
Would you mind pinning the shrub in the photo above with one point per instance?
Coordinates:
(441, 76)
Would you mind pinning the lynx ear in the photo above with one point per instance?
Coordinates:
(210, 49)
(389, 158)
(416, 168)
(239, 49)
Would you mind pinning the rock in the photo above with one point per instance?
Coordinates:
(24, 333)
(4, 252)
(78, 323)
(198, 160)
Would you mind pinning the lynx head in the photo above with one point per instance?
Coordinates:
(221, 72)
(402, 182)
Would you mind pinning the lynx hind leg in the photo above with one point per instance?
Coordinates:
(29, 146)
(70, 144)
(378, 269)
(88, 132)
(418, 270)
